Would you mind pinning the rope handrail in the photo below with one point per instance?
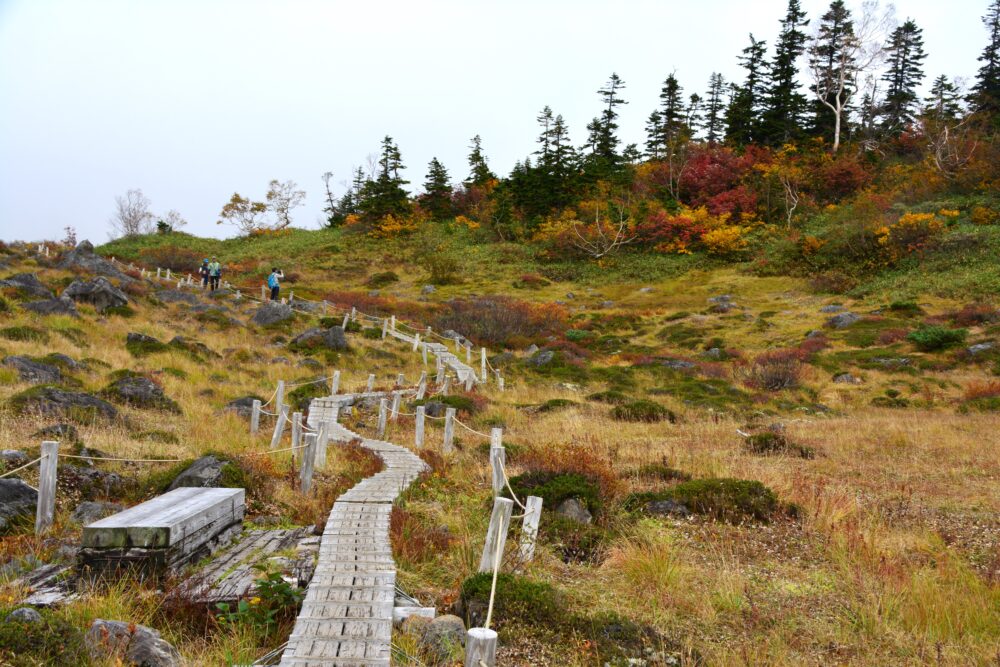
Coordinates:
(112, 458)
(305, 382)
(29, 463)
(274, 395)
(469, 428)
(286, 449)
(493, 586)
(506, 480)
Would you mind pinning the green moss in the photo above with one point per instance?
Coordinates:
(216, 317)
(681, 335)
(144, 348)
(642, 411)
(518, 598)
(554, 404)
(577, 335)
(300, 397)
(382, 279)
(982, 404)
(459, 402)
(24, 334)
(906, 309)
(724, 499)
(866, 332)
(119, 311)
(661, 472)
(770, 442)
(371, 333)
(886, 359)
(575, 542)
(679, 315)
(53, 641)
(612, 396)
(555, 487)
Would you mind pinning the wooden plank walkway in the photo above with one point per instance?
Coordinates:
(462, 370)
(346, 617)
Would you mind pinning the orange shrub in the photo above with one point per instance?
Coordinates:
(983, 215)
(988, 389)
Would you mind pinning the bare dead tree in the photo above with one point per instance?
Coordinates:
(791, 187)
(132, 216)
(605, 236)
(861, 51)
(282, 197)
(331, 201)
(951, 144)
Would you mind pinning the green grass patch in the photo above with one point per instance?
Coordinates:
(517, 599)
(24, 334)
(935, 338)
(713, 393)
(555, 404)
(681, 335)
(555, 487)
(611, 396)
(382, 279)
(770, 442)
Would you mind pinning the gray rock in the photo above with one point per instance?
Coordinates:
(832, 308)
(91, 482)
(24, 615)
(141, 392)
(444, 635)
(90, 511)
(679, 364)
(98, 292)
(83, 257)
(846, 378)
(606, 304)
(194, 347)
(205, 472)
(979, 348)
(722, 298)
(272, 312)
(428, 289)
(374, 292)
(891, 362)
(13, 458)
(58, 402)
(318, 337)
(177, 296)
(309, 362)
(17, 501)
(667, 507)
(33, 371)
(531, 349)
(281, 360)
(136, 644)
(570, 295)
(645, 290)
(713, 353)
(541, 358)
(64, 360)
(60, 431)
(722, 307)
(242, 406)
(843, 320)
(60, 306)
(814, 333)
(434, 408)
(574, 510)
(29, 284)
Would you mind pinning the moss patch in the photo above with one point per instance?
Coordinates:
(724, 499)
(553, 488)
(24, 334)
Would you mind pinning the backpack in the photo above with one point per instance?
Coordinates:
(272, 281)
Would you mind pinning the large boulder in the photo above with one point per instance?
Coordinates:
(130, 643)
(97, 291)
(434, 409)
(205, 472)
(90, 511)
(272, 312)
(843, 320)
(242, 406)
(541, 358)
(58, 402)
(30, 370)
(83, 257)
(59, 306)
(17, 501)
(141, 392)
(444, 636)
(27, 284)
(317, 338)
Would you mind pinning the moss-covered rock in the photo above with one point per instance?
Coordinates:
(772, 442)
(55, 401)
(724, 499)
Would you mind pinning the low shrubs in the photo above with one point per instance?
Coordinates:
(612, 396)
(518, 599)
(24, 334)
(382, 279)
(661, 472)
(935, 338)
(723, 499)
(51, 641)
(554, 404)
(891, 399)
(773, 371)
(771, 442)
(460, 402)
(500, 321)
(371, 333)
(141, 346)
(415, 539)
(982, 397)
(300, 397)
(642, 411)
(555, 487)
(575, 542)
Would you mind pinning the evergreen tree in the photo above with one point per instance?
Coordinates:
(742, 125)
(985, 95)
(385, 195)
(694, 118)
(549, 180)
(480, 173)
(546, 120)
(830, 59)
(654, 136)
(437, 191)
(942, 105)
(350, 203)
(604, 159)
(906, 54)
(785, 104)
(714, 108)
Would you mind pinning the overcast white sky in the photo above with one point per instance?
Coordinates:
(191, 100)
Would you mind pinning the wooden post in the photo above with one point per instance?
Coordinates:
(385, 328)
(157, 273)
(440, 371)
(279, 426)
(500, 381)
(480, 647)
(336, 413)
(482, 362)
(255, 417)
(422, 385)
(335, 383)
(400, 380)
(284, 300)
(449, 430)
(322, 441)
(496, 535)
(180, 283)
(529, 527)
(446, 387)
(470, 378)
(279, 397)
(291, 296)
(306, 462)
(371, 383)
(419, 433)
(296, 430)
(263, 292)
(468, 354)
(354, 314)
(416, 342)
(498, 457)
(238, 295)
(168, 273)
(326, 306)
(383, 409)
(392, 322)
(425, 355)
(394, 415)
(45, 511)
(344, 323)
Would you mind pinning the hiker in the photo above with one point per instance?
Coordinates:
(204, 272)
(214, 273)
(272, 282)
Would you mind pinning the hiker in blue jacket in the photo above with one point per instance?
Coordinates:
(204, 272)
(272, 282)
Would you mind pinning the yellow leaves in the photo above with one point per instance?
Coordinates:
(463, 221)
(983, 215)
(391, 226)
(810, 245)
(948, 212)
(725, 240)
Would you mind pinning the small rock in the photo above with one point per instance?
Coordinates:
(13, 458)
(891, 362)
(59, 306)
(606, 304)
(309, 362)
(568, 386)
(28, 284)
(281, 360)
(979, 348)
(205, 472)
(17, 500)
(98, 292)
(645, 290)
(60, 402)
(667, 507)
(272, 312)
(814, 333)
(570, 295)
(531, 349)
(90, 511)
(60, 431)
(541, 358)
(574, 510)
(374, 292)
(832, 308)
(434, 408)
(24, 615)
(846, 378)
(843, 320)
(415, 625)
(713, 353)
(138, 644)
(444, 635)
(428, 289)
(722, 307)
(33, 371)
(195, 347)
(679, 364)
(141, 392)
(722, 298)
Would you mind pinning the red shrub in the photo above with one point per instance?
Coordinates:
(974, 314)
(740, 199)
(988, 389)
(811, 346)
(501, 321)
(773, 370)
(839, 177)
(890, 336)
(662, 227)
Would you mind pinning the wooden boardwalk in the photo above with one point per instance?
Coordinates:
(346, 617)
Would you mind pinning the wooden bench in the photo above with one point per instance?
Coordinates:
(163, 534)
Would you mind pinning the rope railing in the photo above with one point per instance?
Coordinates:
(112, 458)
(26, 465)
(469, 428)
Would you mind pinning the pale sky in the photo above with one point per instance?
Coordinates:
(191, 100)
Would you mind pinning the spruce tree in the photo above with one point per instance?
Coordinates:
(985, 95)
(942, 104)
(672, 112)
(480, 173)
(694, 119)
(785, 104)
(437, 191)
(654, 136)
(742, 124)
(385, 195)
(552, 173)
(905, 51)
(830, 59)
(715, 108)
(604, 159)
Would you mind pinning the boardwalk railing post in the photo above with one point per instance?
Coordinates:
(400, 380)
(497, 532)
(449, 430)
(263, 293)
(296, 430)
(422, 385)
(418, 438)
(354, 314)
(45, 512)
(279, 397)
(279, 426)
(291, 296)
(416, 342)
(424, 352)
(383, 409)
(500, 381)
(446, 387)
(326, 306)
(468, 354)
(255, 417)
(238, 295)
(336, 413)
(394, 414)
(322, 441)
(157, 273)
(335, 383)
(343, 326)
(529, 527)
(306, 462)
(371, 383)
(392, 322)
(440, 372)
(470, 378)
(385, 328)
(168, 273)
(480, 647)
(498, 458)
(482, 363)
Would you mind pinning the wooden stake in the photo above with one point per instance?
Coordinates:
(497, 532)
(416, 342)
(296, 430)
(307, 460)
(394, 415)
(482, 362)
(371, 383)
(343, 326)
(322, 441)
(425, 355)
(279, 426)
(279, 397)
(449, 430)
(255, 417)
(335, 383)
(422, 385)
(45, 511)
(468, 354)
(385, 328)
(419, 433)
(383, 409)
(529, 527)
(446, 387)
(480, 647)
(498, 457)
(392, 322)
(400, 380)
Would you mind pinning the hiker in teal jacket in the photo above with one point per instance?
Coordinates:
(214, 273)
(272, 282)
